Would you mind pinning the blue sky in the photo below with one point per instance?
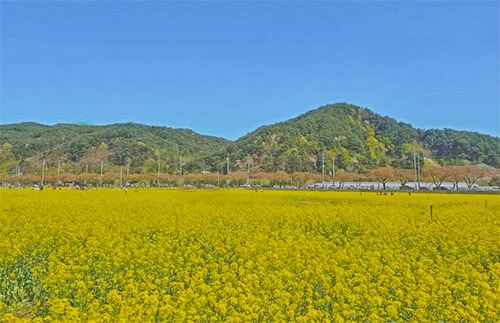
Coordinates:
(225, 68)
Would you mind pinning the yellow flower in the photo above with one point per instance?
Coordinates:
(214, 255)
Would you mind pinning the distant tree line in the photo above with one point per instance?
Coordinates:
(470, 175)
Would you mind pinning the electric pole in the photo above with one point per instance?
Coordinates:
(248, 172)
(43, 171)
(58, 172)
(333, 170)
(18, 174)
(180, 168)
(228, 176)
(323, 168)
(158, 181)
(128, 168)
(86, 171)
(415, 166)
(418, 171)
(100, 179)
(121, 175)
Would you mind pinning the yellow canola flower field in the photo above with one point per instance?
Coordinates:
(246, 256)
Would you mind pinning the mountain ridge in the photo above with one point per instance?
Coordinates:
(357, 138)
(221, 137)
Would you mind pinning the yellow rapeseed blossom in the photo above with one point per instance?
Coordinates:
(244, 256)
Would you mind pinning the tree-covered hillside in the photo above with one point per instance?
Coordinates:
(451, 144)
(359, 140)
(356, 139)
(82, 147)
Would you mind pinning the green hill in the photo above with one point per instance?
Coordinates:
(84, 146)
(357, 138)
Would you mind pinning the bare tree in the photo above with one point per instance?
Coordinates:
(436, 174)
(403, 176)
(471, 174)
(382, 175)
(494, 176)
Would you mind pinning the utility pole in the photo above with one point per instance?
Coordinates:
(43, 171)
(248, 172)
(128, 168)
(102, 165)
(418, 171)
(180, 168)
(323, 168)
(18, 174)
(158, 181)
(415, 166)
(86, 171)
(58, 171)
(333, 169)
(218, 179)
(228, 175)
(121, 175)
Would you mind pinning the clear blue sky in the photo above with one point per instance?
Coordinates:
(226, 68)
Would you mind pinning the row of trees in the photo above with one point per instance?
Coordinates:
(469, 175)
(151, 179)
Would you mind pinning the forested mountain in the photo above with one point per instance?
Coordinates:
(359, 139)
(355, 138)
(82, 147)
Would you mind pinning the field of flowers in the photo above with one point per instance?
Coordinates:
(243, 255)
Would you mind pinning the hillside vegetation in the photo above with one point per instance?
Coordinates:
(81, 147)
(356, 138)
(360, 140)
